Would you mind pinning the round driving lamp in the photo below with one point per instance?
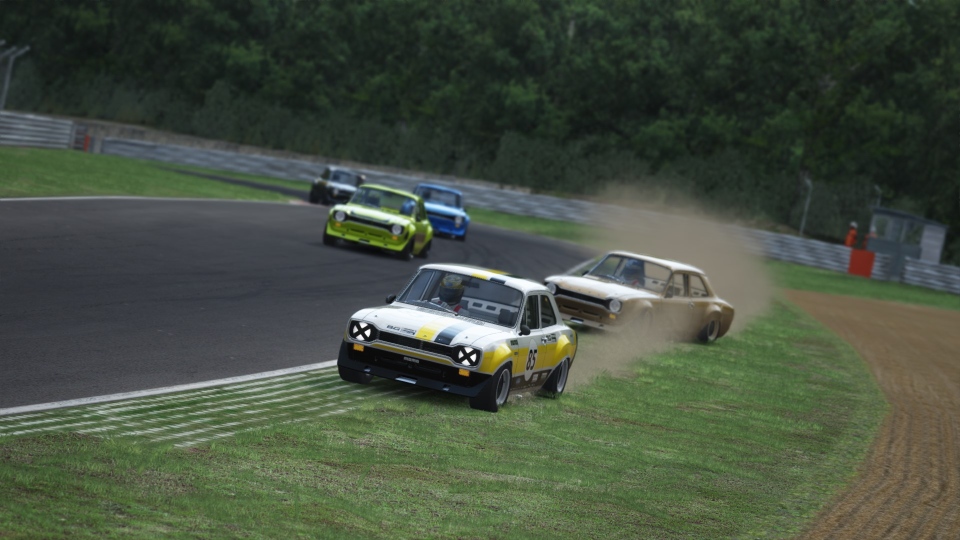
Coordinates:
(615, 305)
(396, 230)
(339, 216)
(458, 221)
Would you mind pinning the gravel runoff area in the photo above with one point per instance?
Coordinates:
(909, 485)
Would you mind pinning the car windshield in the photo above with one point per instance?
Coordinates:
(344, 177)
(439, 196)
(480, 299)
(632, 272)
(385, 200)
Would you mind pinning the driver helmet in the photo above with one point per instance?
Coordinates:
(632, 271)
(451, 289)
(853, 224)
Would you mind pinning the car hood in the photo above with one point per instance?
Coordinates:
(341, 187)
(599, 288)
(432, 325)
(444, 210)
(373, 214)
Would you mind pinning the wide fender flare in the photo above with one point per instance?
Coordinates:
(492, 360)
(566, 348)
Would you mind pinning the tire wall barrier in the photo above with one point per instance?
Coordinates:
(29, 130)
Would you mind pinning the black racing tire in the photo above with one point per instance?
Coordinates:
(494, 395)
(557, 382)
(353, 375)
(406, 253)
(327, 239)
(462, 237)
(313, 197)
(710, 331)
(425, 251)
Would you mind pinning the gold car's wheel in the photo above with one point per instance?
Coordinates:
(710, 331)
(495, 394)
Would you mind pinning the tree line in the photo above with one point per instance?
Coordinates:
(729, 102)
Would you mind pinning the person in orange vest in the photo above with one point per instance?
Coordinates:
(851, 235)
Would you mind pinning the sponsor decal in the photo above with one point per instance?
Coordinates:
(408, 331)
(412, 360)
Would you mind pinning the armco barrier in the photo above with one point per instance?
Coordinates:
(932, 276)
(17, 129)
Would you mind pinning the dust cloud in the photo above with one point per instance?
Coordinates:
(682, 233)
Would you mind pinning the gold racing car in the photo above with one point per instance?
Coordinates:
(464, 330)
(624, 289)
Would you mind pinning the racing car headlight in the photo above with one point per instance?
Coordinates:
(552, 287)
(615, 305)
(458, 221)
(362, 331)
(340, 216)
(468, 356)
(396, 230)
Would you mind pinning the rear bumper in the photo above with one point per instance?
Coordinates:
(425, 373)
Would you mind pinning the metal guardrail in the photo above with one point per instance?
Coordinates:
(17, 129)
(29, 130)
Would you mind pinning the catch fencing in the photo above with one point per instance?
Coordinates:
(29, 130)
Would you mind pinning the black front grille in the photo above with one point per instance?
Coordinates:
(369, 222)
(414, 343)
(582, 297)
(440, 216)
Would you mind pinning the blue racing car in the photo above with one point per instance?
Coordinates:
(444, 210)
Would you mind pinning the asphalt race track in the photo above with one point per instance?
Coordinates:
(102, 296)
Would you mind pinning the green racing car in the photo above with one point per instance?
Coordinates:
(382, 217)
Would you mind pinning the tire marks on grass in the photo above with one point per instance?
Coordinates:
(199, 416)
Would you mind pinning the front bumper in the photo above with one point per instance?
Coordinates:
(367, 235)
(446, 225)
(399, 367)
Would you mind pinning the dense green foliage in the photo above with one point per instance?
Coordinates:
(727, 101)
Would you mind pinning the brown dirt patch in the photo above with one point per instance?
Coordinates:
(909, 486)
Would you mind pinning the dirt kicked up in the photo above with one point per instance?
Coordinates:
(909, 486)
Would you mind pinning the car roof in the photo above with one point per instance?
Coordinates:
(516, 282)
(391, 190)
(440, 188)
(672, 265)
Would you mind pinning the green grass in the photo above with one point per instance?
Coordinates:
(805, 278)
(563, 230)
(744, 438)
(748, 437)
(30, 172)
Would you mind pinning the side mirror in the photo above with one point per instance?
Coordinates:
(524, 330)
(391, 298)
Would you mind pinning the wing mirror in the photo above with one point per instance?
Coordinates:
(524, 330)
(391, 298)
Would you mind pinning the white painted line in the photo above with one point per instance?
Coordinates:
(166, 390)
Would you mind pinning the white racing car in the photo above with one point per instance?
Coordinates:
(464, 330)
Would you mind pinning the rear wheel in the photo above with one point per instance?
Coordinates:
(354, 376)
(494, 395)
(710, 331)
(558, 379)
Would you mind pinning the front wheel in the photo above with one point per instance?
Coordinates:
(494, 395)
(407, 252)
(327, 239)
(425, 251)
(710, 331)
(558, 380)
(354, 376)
